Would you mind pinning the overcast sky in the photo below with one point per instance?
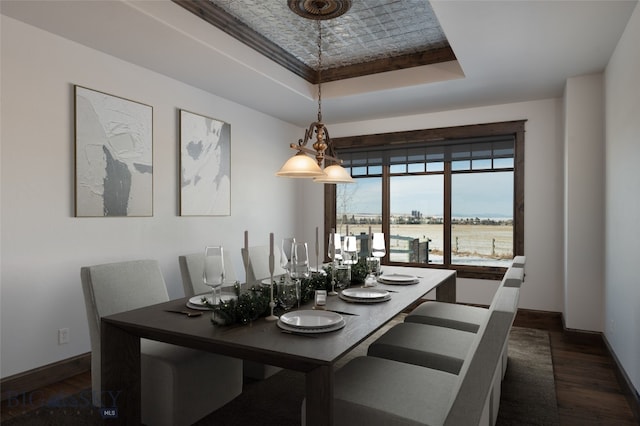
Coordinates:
(481, 195)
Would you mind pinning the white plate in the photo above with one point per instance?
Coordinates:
(335, 327)
(353, 300)
(196, 301)
(365, 293)
(267, 281)
(311, 319)
(314, 270)
(398, 279)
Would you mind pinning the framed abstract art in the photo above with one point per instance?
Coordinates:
(205, 166)
(114, 155)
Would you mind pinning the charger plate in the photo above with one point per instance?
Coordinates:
(335, 327)
(311, 319)
(398, 279)
(365, 293)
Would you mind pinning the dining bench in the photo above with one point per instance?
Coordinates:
(379, 391)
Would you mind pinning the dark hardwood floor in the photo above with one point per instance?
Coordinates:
(587, 390)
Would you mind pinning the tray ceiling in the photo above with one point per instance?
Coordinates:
(373, 36)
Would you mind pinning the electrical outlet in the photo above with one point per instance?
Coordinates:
(63, 336)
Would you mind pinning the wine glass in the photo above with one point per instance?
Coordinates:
(299, 265)
(285, 257)
(370, 261)
(377, 247)
(213, 274)
(337, 255)
(350, 251)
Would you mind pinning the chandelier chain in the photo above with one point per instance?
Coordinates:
(319, 71)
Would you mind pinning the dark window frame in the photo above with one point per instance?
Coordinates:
(438, 136)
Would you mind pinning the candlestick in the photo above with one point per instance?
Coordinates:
(271, 265)
(332, 255)
(317, 252)
(245, 255)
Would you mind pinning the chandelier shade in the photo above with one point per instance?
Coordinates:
(335, 173)
(300, 166)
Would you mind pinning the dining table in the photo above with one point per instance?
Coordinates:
(260, 341)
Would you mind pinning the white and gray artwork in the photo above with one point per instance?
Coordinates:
(205, 147)
(114, 155)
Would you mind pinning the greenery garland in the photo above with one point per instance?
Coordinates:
(254, 302)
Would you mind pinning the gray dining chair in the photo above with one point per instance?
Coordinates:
(258, 267)
(192, 272)
(179, 386)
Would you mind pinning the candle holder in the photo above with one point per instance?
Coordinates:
(272, 304)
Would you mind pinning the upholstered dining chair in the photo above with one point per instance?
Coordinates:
(179, 385)
(258, 268)
(192, 269)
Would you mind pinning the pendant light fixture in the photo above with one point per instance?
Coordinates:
(326, 168)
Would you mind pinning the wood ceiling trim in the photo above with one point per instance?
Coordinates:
(443, 54)
(240, 31)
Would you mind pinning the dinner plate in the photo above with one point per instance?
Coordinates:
(315, 270)
(311, 319)
(267, 281)
(398, 279)
(354, 300)
(334, 327)
(365, 293)
(196, 301)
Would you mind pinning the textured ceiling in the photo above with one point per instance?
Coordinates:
(371, 32)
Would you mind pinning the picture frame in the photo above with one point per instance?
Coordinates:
(113, 155)
(205, 165)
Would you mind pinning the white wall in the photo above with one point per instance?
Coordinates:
(543, 191)
(43, 246)
(584, 202)
(622, 216)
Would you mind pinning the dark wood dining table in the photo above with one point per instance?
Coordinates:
(261, 341)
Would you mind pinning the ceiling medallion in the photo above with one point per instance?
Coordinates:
(319, 9)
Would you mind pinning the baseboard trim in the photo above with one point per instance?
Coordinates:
(625, 383)
(45, 375)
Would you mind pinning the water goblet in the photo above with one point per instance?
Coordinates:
(285, 258)
(350, 250)
(299, 264)
(378, 247)
(213, 272)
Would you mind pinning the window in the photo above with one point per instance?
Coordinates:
(450, 197)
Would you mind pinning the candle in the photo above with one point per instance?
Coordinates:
(317, 251)
(271, 244)
(245, 255)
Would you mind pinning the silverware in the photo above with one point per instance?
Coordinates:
(342, 312)
(298, 334)
(187, 313)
